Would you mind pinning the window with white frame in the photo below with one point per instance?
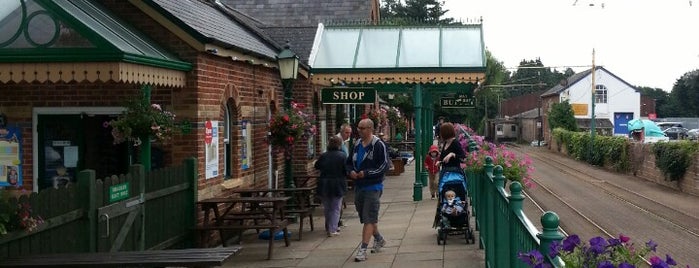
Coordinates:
(600, 94)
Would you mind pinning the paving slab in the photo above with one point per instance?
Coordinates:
(406, 225)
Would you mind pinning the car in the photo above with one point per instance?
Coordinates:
(693, 134)
(676, 133)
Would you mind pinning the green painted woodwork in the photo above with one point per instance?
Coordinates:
(504, 229)
(76, 31)
(73, 224)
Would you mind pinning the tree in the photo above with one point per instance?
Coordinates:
(414, 12)
(533, 76)
(684, 97)
(561, 115)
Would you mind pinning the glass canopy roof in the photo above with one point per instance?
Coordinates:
(400, 48)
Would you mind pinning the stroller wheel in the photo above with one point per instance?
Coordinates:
(439, 237)
(470, 237)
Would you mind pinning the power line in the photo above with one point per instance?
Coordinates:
(547, 67)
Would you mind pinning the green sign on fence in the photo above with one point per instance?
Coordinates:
(118, 192)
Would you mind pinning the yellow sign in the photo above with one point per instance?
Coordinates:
(579, 108)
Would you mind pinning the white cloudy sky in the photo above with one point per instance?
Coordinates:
(645, 42)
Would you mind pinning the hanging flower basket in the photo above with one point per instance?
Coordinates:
(142, 119)
(288, 126)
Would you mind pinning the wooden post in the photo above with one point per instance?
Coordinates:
(86, 189)
(145, 152)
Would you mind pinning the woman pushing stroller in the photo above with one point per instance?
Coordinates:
(451, 154)
(452, 215)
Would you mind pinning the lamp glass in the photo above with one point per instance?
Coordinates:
(288, 66)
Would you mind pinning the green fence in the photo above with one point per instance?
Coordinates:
(503, 227)
(134, 211)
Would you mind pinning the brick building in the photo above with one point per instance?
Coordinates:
(78, 62)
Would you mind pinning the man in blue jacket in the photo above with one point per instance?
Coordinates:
(367, 165)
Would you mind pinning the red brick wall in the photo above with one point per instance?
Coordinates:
(18, 101)
(212, 83)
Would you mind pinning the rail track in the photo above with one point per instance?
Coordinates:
(684, 223)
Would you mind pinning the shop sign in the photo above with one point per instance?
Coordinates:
(348, 95)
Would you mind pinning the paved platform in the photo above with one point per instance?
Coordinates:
(407, 226)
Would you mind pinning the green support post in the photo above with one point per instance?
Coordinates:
(500, 231)
(426, 140)
(550, 233)
(472, 147)
(145, 150)
(86, 191)
(417, 186)
(516, 199)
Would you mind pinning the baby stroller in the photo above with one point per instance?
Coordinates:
(445, 222)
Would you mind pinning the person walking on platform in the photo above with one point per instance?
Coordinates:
(332, 184)
(432, 169)
(345, 134)
(367, 165)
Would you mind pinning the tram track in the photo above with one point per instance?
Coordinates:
(670, 218)
(600, 184)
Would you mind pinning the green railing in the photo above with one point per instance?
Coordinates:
(503, 227)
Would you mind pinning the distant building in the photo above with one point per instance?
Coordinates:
(616, 101)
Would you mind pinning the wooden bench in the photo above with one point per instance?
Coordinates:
(299, 205)
(244, 213)
(193, 257)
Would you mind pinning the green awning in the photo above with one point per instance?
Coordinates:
(78, 31)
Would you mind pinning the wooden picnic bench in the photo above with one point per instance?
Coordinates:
(244, 213)
(300, 203)
(192, 257)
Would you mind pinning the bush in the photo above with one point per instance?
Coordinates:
(673, 158)
(608, 150)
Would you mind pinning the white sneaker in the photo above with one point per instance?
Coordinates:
(333, 234)
(361, 255)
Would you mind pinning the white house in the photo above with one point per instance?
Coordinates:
(615, 101)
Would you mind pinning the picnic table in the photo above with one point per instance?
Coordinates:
(192, 257)
(244, 213)
(300, 203)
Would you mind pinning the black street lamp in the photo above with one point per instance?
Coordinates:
(288, 70)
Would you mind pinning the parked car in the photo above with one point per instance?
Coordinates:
(676, 133)
(693, 134)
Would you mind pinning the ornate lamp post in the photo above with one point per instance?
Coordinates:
(288, 70)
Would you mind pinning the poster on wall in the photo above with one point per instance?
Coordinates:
(211, 148)
(10, 155)
(244, 149)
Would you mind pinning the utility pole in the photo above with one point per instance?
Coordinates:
(592, 122)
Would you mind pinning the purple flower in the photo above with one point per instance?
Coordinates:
(626, 265)
(531, 258)
(605, 264)
(598, 244)
(669, 260)
(652, 245)
(554, 248)
(657, 262)
(613, 242)
(570, 243)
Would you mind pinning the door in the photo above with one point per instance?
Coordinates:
(621, 121)
(69, 143)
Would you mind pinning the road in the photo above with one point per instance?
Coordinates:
(591, 201)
